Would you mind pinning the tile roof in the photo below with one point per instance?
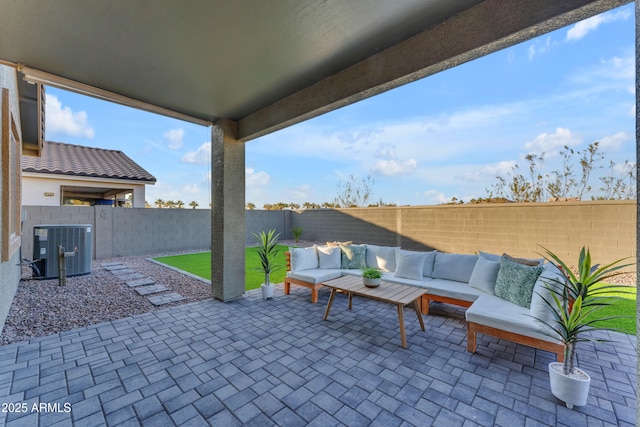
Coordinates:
(76, 160)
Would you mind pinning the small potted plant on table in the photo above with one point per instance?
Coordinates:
(267, 252)
(574, 302)
(371, 277)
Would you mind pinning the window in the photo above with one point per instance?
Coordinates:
(11, 192)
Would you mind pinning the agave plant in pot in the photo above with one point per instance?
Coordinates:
(267, 251)
(574, 300)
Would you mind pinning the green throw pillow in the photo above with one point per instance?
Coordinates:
(353, 257)
(515, 282)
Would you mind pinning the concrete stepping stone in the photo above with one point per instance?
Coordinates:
(140, 282)
(150, 289)
(166, 298)
(124, 272)
(110, 264)
(115, 267)
(133, 276)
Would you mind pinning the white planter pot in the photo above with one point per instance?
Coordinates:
(572, 391)
(267, 291)
(371, 283)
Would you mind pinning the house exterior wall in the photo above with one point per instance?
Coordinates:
(37, 188)
(10, 270)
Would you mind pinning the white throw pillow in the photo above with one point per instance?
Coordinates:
(484, 275)
(303, 259)
(428, 263)
(410, 264)
(381, 257)
(457, 267)
(328, 256)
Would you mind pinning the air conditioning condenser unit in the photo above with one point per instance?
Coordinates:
(73, 238)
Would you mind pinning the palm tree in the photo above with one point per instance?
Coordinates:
(251, 206)
(179, 204)
(159, 203)
(193, 204)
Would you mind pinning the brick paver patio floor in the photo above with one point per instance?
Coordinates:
(276, 362)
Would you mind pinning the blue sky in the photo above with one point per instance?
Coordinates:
(445, 136)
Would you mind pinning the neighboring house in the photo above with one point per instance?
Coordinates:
(73, 175)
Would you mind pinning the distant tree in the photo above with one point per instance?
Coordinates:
(294, 206)
(380, 203)
(330, 205)
(619, 185)
(570, 182)
(250, 206)
(193, 204)
(354, 192)
(146, 204)
(159, 203)
(179, 204)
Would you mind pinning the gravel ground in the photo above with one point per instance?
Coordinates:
(41, 307)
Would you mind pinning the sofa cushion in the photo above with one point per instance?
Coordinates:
(515, 282)
(353, 256)
(410, 264)
(428, 263)
(456, 267)
(303, 258)
(551, 278)
(328, 256)
(381, 257)
(484, 275)
(490, 257)
(453, 289)
(391, 277)
(315, 275)
(525, 261)
(492, 311)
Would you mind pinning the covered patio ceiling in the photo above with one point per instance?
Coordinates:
(262, 64)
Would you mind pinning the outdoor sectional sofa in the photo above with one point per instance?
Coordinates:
(503, 295)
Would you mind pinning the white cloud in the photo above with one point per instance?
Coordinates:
(256, 179)
(395, 167)
(302, 193)
(613, 142)
(538, 47)
(201, 156)
(582, 28)
(389, 164)
(174, 138)
(63, 121)
(551, 143)
(435, 197)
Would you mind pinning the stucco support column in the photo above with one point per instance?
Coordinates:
(227, 212)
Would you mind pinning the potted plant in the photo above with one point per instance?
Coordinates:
(574, 302)
(267, 252)
(371, 277)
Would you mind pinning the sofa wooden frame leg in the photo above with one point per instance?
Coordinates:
(313, 286)
(474, 328)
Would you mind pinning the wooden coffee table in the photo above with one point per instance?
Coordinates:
(393, 293)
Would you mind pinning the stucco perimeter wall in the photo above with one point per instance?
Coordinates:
(608, 228)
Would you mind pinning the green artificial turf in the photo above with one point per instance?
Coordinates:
(200, 265)
(625, 308)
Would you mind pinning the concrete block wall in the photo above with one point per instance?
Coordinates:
(139, 231)
(520, 229)
(608, 228)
